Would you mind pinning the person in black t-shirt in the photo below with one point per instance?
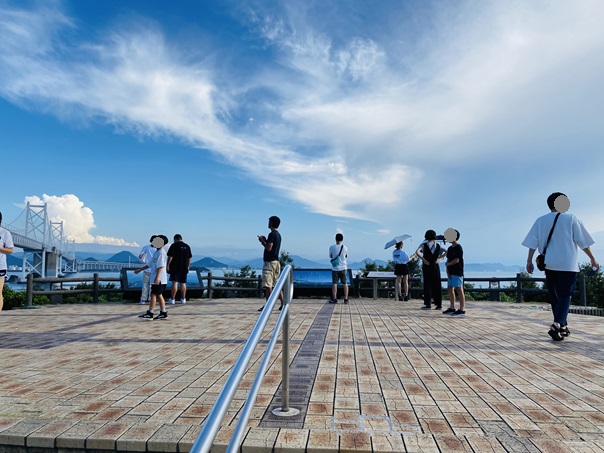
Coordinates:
(271, 268)
(179, 262)
(455, 274)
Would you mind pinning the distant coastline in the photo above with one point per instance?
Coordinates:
(256, 263)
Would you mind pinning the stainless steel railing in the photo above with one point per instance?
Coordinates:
(210, 428)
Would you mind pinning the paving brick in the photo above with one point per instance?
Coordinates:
(45, 436)
(387, 443)
(75, 437)
(259, 440)
(16, 434)
(291, 441)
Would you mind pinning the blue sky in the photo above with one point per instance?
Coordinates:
(372, 119)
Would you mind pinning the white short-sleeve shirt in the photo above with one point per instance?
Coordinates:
(334, 250)
(6, 241)
(563, 249)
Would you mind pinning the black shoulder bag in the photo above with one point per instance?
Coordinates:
(540, 260)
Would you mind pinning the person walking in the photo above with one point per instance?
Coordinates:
(145, 256)
(179, 263)
(338, 255)
(558, 236)
(431, 253)
(401, 270)
(159, 279)
(271, 268)
(6, 248)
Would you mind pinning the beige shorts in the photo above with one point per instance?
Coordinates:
(270, 273)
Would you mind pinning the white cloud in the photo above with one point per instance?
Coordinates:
(78, 220)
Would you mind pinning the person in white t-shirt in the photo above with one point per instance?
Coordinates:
(338, 253)
(561, 257)
(159, 278)
(146, 255)
(6, 248)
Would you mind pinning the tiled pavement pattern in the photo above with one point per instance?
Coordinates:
(391, 378)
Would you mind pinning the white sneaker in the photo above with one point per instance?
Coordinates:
(142, 302)
(183, 301)
(170, 301)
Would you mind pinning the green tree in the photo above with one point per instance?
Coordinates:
(594, 287)
(285, 259)
(245, 272)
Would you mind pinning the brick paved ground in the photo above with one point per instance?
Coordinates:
(377, 376)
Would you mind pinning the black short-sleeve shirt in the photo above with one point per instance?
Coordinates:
(455, 251)
(274, 237)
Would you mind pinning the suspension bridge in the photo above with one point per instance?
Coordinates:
(47, 252)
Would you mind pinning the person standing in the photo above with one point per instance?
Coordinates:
(146, 255)
(338, 255)
(401, 270)
(454, 267)
(159, 278)
(179, 263)
(6, 248)
(431, 253)
(271, 268)
(559, 236)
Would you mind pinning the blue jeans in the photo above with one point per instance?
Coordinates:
(560, 287)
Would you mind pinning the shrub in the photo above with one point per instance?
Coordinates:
(18, 299)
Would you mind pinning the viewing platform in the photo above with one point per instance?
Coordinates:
(370, 376)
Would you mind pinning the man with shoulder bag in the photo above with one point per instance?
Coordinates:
(338, 254)
(558, 236)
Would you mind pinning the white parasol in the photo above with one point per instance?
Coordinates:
(402, 237)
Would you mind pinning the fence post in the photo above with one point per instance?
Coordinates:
(260, 287)
(518, 288)
(375, 288)
(95, 289)
(30, 290)
(209, 285)
(495, 295)
(582, 289)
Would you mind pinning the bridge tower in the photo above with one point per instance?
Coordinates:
(36, 219)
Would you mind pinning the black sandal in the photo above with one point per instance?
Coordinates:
(564, 332)
(554, 332)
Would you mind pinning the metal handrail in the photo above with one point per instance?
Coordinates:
(210, 428)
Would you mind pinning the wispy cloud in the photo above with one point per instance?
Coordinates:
(365, 116)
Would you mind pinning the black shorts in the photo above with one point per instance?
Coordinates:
(3, 273)
(338, 276)
(401, 269)
(178, 277)
(158, 289)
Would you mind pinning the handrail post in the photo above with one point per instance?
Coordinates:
(285, 346)
(30, 290)
(209, 285)
(518, 288)
(375, 288)
(95, 289)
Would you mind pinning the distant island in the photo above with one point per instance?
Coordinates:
(256, 263)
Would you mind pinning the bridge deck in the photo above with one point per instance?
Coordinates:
(377, 376)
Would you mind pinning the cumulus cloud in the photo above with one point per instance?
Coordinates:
(365, 115)
(78, 219)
